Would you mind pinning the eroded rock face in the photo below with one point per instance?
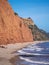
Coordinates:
(38, 34)
(12, 28)
(28, 21)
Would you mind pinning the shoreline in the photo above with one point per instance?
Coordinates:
(7, 52)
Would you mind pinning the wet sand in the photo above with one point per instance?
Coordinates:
(4, 61)
(15, 60)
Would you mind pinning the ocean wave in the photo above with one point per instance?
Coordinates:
(35, 48)
(21, 52)
(31, 61)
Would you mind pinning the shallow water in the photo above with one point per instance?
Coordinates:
(38, 54)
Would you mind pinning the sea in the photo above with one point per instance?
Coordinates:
(34, 54)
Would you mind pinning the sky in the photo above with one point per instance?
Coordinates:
(38, 10)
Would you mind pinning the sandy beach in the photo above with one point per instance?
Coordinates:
(6, 51)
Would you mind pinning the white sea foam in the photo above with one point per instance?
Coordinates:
(31, 61)
(29, 49)
(35, 48)
(39, 49)
(21, 52)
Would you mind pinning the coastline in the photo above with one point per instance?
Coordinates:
(6, 54)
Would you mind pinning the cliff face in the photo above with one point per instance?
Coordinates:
(38, 34)
(12, 28)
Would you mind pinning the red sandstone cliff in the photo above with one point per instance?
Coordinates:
(12, 28)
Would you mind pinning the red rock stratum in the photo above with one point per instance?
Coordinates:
(12, 28)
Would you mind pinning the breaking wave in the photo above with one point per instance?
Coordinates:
(31, 61)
